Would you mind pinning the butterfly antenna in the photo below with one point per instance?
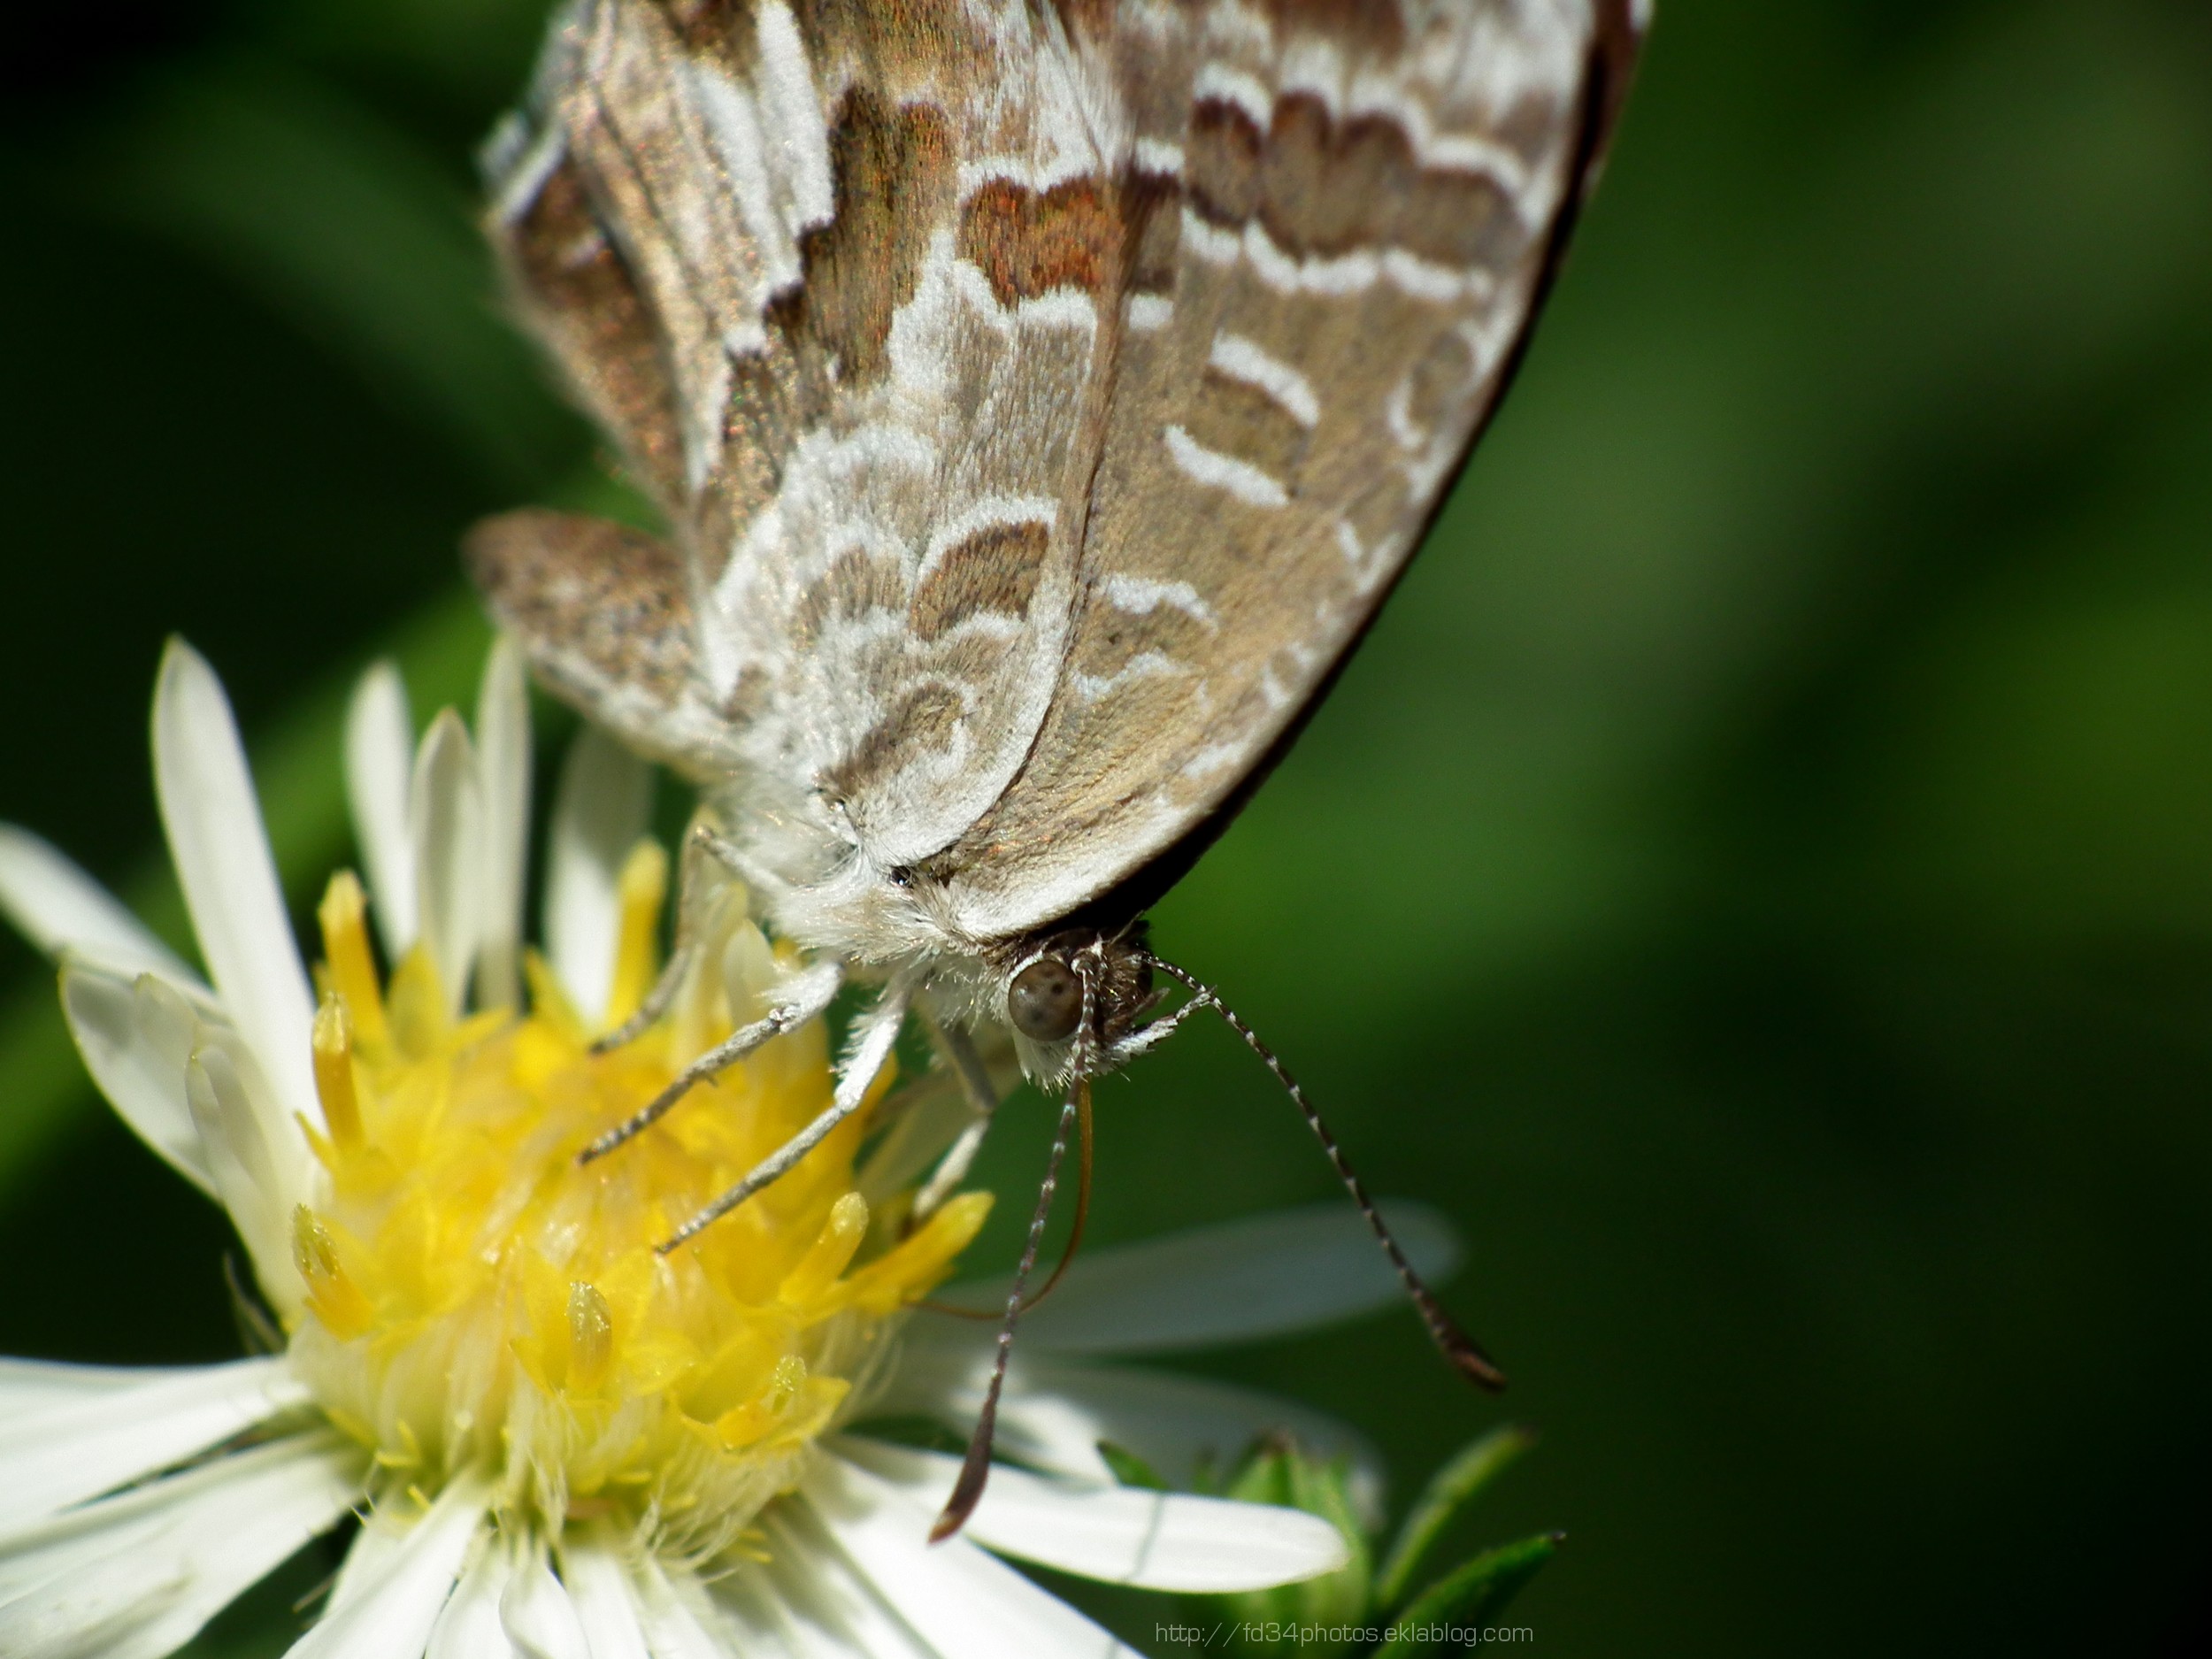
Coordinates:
(975, 1468)
(1456, 1345)
(1075, 1229)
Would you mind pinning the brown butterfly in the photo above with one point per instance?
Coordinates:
(1042, 396)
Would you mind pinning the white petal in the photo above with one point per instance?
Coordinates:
(445, 822)
(63, 1452)
(57, 906)
(33, 1384)
(606, 797)
(758, 1625)
(1055, 1413)
(365, 1559)
(606, 1601)
(380, 756)
(135, 1576)
(137, 1040)
(678, 1621)
(1150, 1540)
(390, 1613)
(1293, 1270)
(469, 1627)
(221, 852)
(503, 740)
(538, 1613)
(964, 1601)
(827, 1609)
(257, 1166)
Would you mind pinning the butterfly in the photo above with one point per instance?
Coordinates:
(1042, 397)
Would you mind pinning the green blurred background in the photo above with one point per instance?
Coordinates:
(1758, 875)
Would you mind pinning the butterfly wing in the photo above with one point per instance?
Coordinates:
(1354, 210)
(749, 233)
(1042, 397)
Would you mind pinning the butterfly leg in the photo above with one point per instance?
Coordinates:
(975, 1081)
(1147, 1038)
(702, 843)
(805, 995)
(873, 1034)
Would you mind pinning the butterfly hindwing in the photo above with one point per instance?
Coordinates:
(871, 463)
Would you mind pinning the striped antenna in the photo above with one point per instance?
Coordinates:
(975, 1468)
(1464, 1353)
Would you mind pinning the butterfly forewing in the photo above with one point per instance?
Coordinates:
(1342, 214)
(1042, 397)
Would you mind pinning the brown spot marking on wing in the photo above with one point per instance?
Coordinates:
(994, 570)
(765, 410)
(1324, 187)
(1108, 636)
(1153, 231)
(705, 23)
(1221, 162)
(571, 272)
(897, 39)
(924, 718)
(1093, 19)
(905, 48)
(1234, 418)
(854, 585)
(892, 169)
(1029, 244)
(1376, 25)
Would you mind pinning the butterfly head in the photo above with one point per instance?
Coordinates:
(1074, 998)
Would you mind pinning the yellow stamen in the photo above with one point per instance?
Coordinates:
(406, 1455)
(419, 1022)
(590, 1337)
(752, 1544)
(333, 1073)
(831, 1253)
(345, 948)
(793, 1402)
(643, 886)
(337, 1300)
(925, 1258)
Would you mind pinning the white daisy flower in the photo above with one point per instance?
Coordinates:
(561, 1444)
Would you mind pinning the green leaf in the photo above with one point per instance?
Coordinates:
(1468, 1598)
(1449, 1491)
(1276, 1472)
(1129, 1469)
(926, 1434)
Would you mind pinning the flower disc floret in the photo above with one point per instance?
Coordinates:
(475, 1294)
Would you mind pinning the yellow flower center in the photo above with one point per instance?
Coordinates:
(478, 1299)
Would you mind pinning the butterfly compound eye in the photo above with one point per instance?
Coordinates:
(1045, 1001)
